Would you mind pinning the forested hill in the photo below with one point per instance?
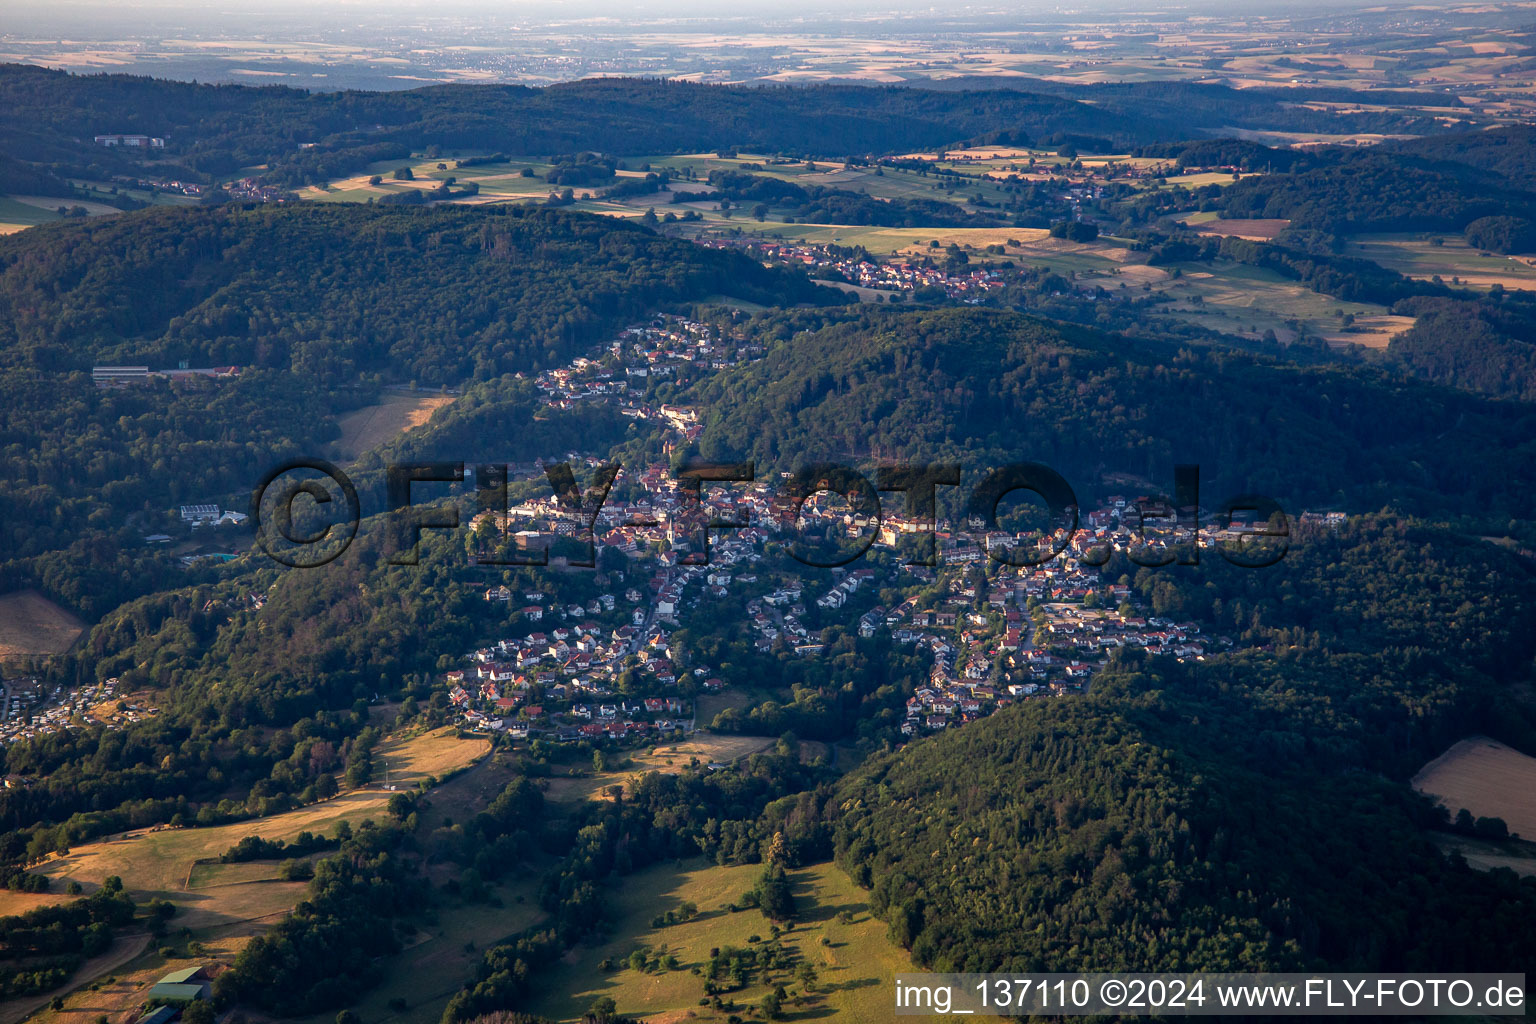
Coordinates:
(49, 119)
(334, 292)
(219, 129)
(1351, 192)
(987, 387)
(1506, 156)
(1244, 813)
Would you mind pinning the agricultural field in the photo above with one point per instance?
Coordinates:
(1487, 778)
(1247, 301)
(498, 182)
(1417, 256)
(30, 624)
(854, 959)
(365, 429)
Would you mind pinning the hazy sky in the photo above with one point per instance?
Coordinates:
(100, 18)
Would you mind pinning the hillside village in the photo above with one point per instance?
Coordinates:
(606, 668)
(610, 669)
(28, 708)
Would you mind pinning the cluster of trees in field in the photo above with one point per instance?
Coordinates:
(657, 817)
(1246, 812)
(329, 948)
(41, 948)
(581, 169)
(258, 848)
(1312, 262)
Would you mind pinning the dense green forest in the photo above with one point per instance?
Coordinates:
(1481, 345)
(318, 305)
(1356, 192)
(336, 292)
(985, 388)
(1504, 156)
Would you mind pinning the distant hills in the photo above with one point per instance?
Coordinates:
(51, 118)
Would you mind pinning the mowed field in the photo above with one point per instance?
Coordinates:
(30, 624)
(1487, 778)
(856, 969)
(364, 429)
(1243, 300)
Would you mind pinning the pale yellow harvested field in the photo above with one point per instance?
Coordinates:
(30, 624)
(1487, 778)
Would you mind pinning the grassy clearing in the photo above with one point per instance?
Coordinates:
(667, 758)
(161, 861)
(708, 705)
(364, 429)
(856, 968)
(30, 624)
(1255, 230)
